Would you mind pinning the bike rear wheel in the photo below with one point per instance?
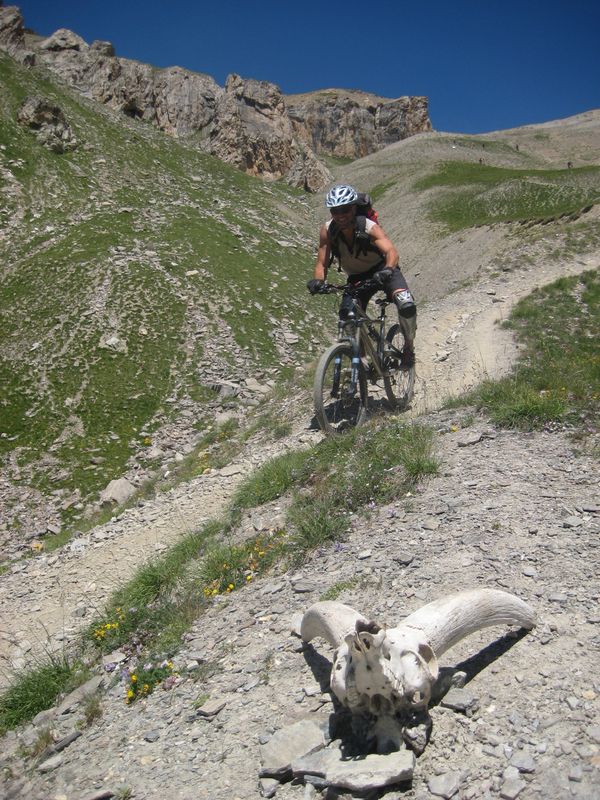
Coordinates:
(338, 404)
(400, 383)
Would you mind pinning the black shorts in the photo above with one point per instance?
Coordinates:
(396, 282)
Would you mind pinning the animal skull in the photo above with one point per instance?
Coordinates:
(387, 674)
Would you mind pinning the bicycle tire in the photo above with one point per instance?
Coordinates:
(337, 407)
(400, 384)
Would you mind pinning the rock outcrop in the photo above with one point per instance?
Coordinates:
(353, 124)
(12, 35)
(49, 124)
(249, 123)
(253, 132)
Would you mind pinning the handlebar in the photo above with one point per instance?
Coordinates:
(349, 288)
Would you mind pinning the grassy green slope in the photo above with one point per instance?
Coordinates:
(125, 266)
(478, 194)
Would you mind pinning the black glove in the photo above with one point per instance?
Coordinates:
(314, 285)
(383, 276)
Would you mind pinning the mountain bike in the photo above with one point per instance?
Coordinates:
(365, 353)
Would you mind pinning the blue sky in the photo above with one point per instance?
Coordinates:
(484, 65)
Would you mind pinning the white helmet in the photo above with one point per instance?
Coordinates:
(341, 195)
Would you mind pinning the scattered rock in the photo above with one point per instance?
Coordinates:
(117, 492)
(445, 785)
(289, 744)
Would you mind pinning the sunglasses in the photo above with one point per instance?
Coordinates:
(341, 210)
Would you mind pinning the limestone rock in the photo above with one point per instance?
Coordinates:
(352, 124)
(12, 35)
(117, 492)
(297, 740)
(63, 39)
(49, 124)
(362, 775)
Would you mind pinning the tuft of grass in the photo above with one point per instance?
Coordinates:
(368, 466)
(34, 691)
(146, 602)
(335, 591)
(226, 568)
(92, 709)
(271, 480)
(43, 741)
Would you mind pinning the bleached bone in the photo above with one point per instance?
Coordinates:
(388, 673)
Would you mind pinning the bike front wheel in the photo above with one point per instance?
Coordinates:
(339, 403)
(400, 381)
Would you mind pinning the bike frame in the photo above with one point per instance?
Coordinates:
(359, 329)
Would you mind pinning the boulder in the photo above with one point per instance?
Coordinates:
(63, 39)
(49, 124)
(117, 492)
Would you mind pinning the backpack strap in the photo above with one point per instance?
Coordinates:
(362, 240)
(333, 233)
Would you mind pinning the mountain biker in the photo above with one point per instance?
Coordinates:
(377, 260)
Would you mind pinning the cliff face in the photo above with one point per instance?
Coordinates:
(348, 124)
(248, 124)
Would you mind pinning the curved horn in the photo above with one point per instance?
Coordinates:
(331, 621)
(448, 620)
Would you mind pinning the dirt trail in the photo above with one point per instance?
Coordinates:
(46, 600)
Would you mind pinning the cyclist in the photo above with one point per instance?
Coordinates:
(363, 255)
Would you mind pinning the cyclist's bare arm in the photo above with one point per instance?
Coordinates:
(381, 242)
(323, 255)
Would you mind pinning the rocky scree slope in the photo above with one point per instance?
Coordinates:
(509, 510)
(510, 754)
(248, 123)
(460, 343)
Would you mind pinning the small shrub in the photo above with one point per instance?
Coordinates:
(142, 680)
(226, 568)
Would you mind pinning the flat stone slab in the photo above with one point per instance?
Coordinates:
(211, 708)
(357, 774)
(445, 785)
(287, 745)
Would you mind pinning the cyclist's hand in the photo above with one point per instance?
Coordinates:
(314, 285)
(383, 275)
